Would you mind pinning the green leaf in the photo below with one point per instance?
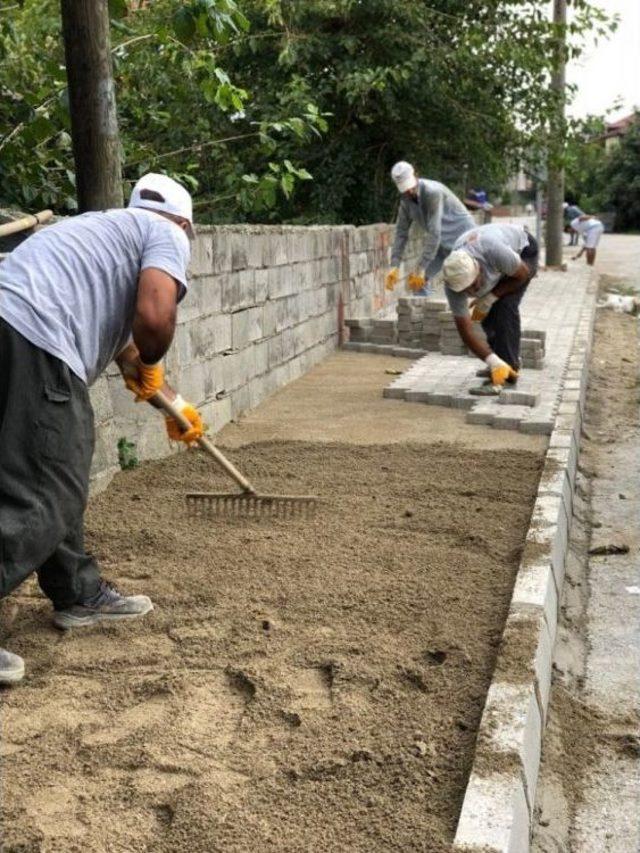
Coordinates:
(118, 8)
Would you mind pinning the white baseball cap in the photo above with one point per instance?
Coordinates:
(459, 270)
(404, 176)
(171, 197)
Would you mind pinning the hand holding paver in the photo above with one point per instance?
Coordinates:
(481, 307)
(500, 370)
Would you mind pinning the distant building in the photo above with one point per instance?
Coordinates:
(615, 130)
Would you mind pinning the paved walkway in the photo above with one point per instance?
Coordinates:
(550, 313)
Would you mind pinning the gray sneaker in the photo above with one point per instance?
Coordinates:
(107, 605)
(11, 667)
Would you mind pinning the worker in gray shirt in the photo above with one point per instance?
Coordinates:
(73, 297)
(570, 212)
(493, 264)
(438, 212)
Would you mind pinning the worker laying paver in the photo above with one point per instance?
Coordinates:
(73, 297)
(438, 211)
(493, 264)
(591, 230)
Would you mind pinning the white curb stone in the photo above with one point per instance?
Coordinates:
(497, 809)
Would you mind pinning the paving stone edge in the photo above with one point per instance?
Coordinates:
(497, 810)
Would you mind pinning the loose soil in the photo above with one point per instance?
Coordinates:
(300, 686)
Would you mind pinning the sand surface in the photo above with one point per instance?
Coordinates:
(299, 686)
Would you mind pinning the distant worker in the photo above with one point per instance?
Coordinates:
(591, 230)
(439, 212)
(73, 297)
(493, 264)
(571, 212)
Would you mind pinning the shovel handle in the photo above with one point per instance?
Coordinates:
(207, 445)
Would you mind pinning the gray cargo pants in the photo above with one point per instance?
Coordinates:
(46, 445)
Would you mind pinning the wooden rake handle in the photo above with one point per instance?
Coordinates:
(207, 445)
(25, 222)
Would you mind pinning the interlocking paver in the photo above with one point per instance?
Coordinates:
(553, 321)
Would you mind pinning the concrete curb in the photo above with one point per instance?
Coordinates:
(497, 810)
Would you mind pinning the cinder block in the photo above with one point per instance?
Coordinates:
(238, 290)
(549, 528)
(208, 294)
(202, 254)
(221, 261)
(511, 722)
(238, 243)
(495, 815)
(207, 336)
(535, 587)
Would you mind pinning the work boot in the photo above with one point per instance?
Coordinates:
(107, 605)
(11, 667)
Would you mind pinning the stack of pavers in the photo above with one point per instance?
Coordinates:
(418, 326)
(384, 333)
(359, 330)
(450, 341)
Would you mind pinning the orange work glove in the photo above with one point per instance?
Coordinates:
(149, 380)
(416, 281)
(481, 307)
(176, 432)
(391, 278)
(500, 370)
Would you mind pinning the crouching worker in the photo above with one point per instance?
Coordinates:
(591, 230)
(73, 297)
(492, 265)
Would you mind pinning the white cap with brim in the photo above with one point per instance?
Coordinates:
(404, 176)
(173, 197)
(459, 270)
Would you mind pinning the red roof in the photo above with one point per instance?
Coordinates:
(620, 127)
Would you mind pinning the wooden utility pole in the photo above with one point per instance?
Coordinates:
(557, 127)
(92, 101)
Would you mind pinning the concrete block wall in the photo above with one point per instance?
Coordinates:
(265, 304)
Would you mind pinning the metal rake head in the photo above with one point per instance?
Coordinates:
(241, 504)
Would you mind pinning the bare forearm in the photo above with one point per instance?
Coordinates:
(152, 342)
(506, 286)
(477, 346)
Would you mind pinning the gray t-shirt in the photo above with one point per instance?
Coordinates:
(497, 249)
(71, 288)
(439, 212)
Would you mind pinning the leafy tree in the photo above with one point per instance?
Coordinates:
(621, 180)
(246, 100)
(179, 111)
(584, 163)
